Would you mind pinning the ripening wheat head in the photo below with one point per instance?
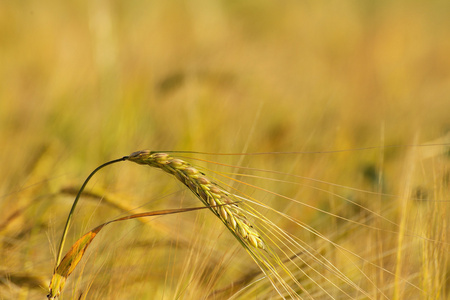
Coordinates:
(296, 260)
(225, 206)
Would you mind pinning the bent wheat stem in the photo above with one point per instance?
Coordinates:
(72, 210)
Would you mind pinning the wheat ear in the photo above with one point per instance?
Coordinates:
(220, 202)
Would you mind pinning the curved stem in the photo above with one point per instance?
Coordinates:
(69, 218)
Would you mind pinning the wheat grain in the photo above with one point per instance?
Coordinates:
(224, 205)
(221, 203)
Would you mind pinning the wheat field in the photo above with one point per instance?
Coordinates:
(326, 122)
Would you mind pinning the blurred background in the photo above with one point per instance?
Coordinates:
(84, 82)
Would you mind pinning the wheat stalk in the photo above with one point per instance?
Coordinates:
(303, 267)
(222, 203)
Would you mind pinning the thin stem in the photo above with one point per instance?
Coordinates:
(69, 218)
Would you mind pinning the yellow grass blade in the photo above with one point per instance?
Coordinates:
(76, 252)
